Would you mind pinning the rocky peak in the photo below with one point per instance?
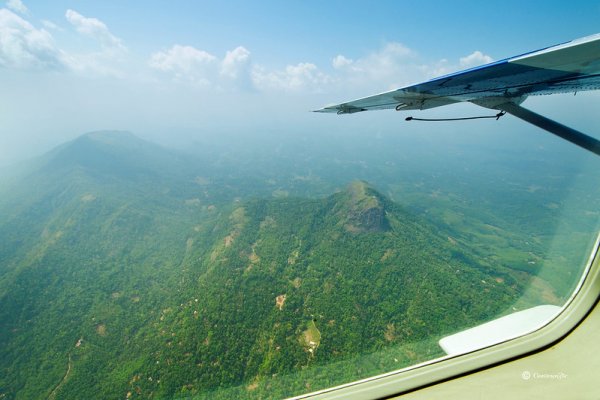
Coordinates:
(363, 209)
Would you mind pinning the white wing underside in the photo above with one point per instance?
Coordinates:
(569, 67)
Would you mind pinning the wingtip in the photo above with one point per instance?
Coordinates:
(325, 110)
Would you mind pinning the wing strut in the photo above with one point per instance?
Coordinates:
(572, 135)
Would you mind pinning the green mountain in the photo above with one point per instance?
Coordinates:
(132, 271)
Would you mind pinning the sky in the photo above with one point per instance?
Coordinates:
(160, 68)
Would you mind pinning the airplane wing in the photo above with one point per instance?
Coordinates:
(569, 67)
(503, 85)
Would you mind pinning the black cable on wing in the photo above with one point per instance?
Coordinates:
(497, 116)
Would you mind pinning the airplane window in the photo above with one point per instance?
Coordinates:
(175, 223)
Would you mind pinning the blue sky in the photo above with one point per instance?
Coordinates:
(155, 67)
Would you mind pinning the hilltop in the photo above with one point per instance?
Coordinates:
(362, 209)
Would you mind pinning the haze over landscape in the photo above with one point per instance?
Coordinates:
(175, 73)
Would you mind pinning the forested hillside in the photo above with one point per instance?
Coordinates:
(132, 271)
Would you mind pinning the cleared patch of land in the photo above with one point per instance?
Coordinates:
(311, 338)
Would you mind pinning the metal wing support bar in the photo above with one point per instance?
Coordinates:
(562, 131)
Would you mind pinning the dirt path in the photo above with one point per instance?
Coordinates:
(63, 380)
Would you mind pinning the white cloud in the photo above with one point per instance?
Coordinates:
(189, 64)
(186, 63)
(236, 62)
(95, 28)
(300, 77)
(22, 46)
(109, 60)
(475, 59)
(390, 60)
(340, 61)
(17, 6)
(236, 70)
(391, 66)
